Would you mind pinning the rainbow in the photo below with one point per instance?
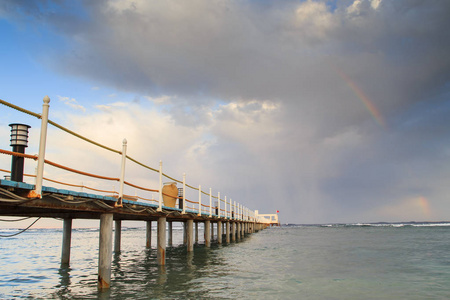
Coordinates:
(425, 206)
(374, 112)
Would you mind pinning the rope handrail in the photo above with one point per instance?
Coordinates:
(82, 137)
(141, 164)
(140, 187)
(34, 157)
(65, 183)
(171, 178)
(191, 201)
(154, 200)
(20, 109)
(80, 172)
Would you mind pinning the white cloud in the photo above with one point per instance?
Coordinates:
(71, 102)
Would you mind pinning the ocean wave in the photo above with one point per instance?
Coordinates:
(402, 224)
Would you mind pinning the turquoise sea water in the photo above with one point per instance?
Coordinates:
(296, 262)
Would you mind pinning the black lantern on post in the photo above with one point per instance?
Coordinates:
(19, 141)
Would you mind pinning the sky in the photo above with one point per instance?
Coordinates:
(328, 111)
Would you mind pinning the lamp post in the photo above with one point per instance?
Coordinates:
(19, 141)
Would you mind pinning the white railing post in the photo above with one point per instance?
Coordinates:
(42, 144)
(160, 187)
(210, 203)
(234, 210)
(218, 204)
(226, 212)
(184, 193)
(122, 171)
(199, 200)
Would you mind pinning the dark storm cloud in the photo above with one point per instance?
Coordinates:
(293, 91)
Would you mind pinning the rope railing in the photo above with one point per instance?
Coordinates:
(66, 183)
(73, 171)
(35, 157)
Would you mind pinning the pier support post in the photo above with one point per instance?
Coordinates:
(207, 234)
(233, 232)
(238, 230)
(148, 235)
(219, 232)
(67, 237)
(196, 232)
(184, 233)
(212, 231)
(161, 241)
(190, 235)
(170, 234)
(117, 233)
(105, 251)
(227, 232)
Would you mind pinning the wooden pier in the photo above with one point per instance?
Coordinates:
(17, 198)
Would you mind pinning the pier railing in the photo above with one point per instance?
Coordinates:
(208, 204)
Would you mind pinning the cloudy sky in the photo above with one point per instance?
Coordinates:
(328, 111)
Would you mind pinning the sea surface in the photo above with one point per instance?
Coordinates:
(354, 261)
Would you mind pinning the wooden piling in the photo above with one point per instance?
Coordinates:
(207, 234)
(227, 232)
(184, 233)
(161, 241)
(233, 232)
(212, 231)
(148, 235)
(219, 232)
(196, 232)
(238, 230)
(190, 235)
(67, 238)
(105, 251)
(170, 234)
(117, 234)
